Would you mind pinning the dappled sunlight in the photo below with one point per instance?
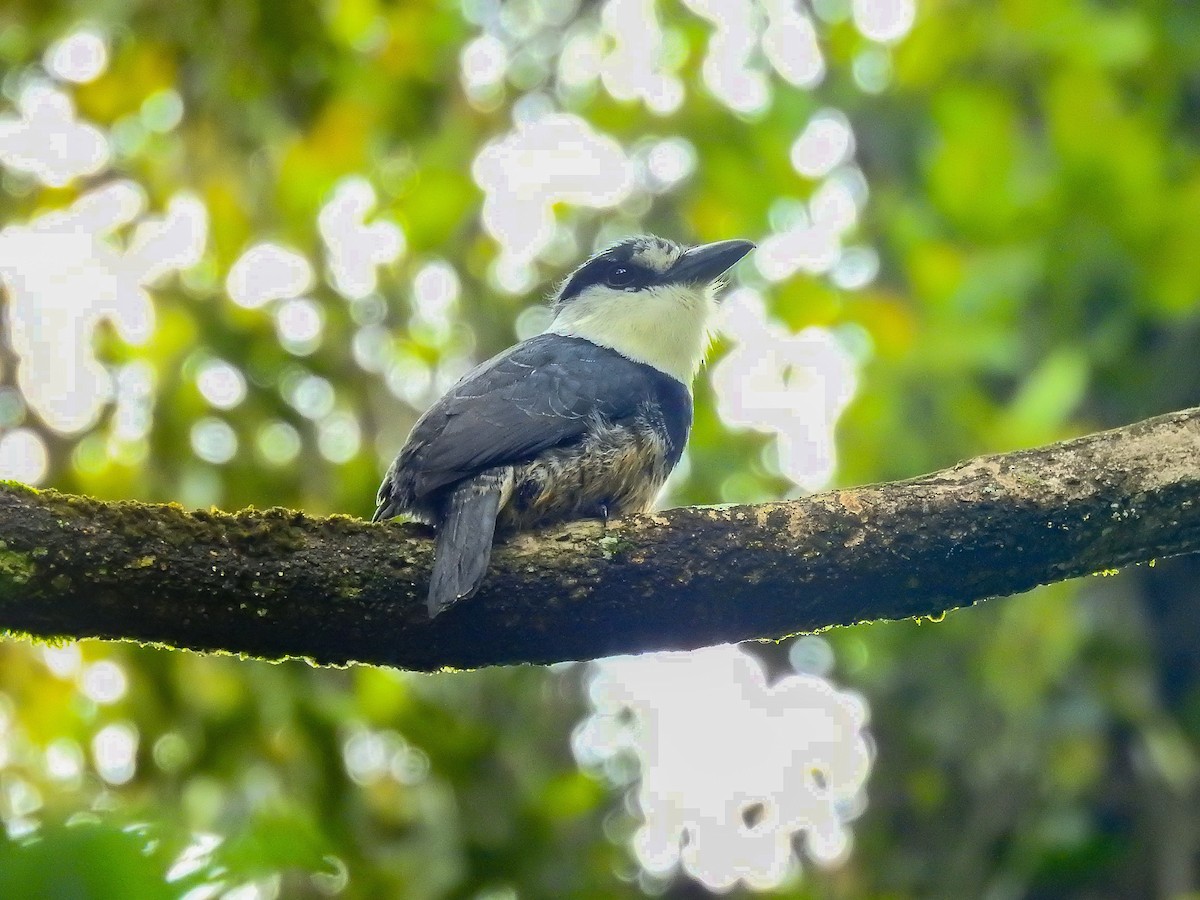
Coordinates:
(299, 325)
(825, 143)
(810, 239)
(240, 253)
(23, 456)
(47, 141)
(554, 158)
(81, 56)
(885, 21)
(92, 743)
(633, 69)
(65, 274)
(72, 736)
(728, 69)
(734, 772)
(222, 384)
(355, 249)
(114, 752)
(372, 755)
(551, 161)
(267, 272)
(792, 385)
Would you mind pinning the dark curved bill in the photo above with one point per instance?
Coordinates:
(708, 261)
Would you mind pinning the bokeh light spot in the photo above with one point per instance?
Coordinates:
(64, 761)
(278, 443)
(104, 682)
(79, 57)
(669, 162)
(311, 395)
(354, 248)
(162, 110)
(725, 761)
(553, 159)
(792, 385)
(63, 661)
(885, 21)
(299, 324)
(47, 141)
(214, 440)
(728, 69)
(339, 437)
(221, 383)
(114, 752)
(790, 44)
(825, 144)
(23, 456)
(266, 272)
(634, 69)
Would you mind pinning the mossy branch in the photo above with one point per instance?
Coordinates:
(279, 583)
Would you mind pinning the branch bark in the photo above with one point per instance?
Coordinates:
(278, 583)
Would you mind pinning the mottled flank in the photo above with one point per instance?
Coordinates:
(618, 470)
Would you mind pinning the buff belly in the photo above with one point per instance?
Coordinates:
(614, 470)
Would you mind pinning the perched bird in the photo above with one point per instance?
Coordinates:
(585, 420)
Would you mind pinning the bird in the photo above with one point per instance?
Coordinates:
(585, 420)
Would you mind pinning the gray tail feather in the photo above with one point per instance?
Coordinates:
(464, 540)
(386, 504)
(387, 509)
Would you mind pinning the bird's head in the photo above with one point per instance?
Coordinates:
(649, 299)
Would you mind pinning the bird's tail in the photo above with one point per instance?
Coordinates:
(386, 509)
(387, 500)
(464, 540)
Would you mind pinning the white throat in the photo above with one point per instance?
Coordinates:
(667, 327)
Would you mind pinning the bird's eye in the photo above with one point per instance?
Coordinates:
(619, 277)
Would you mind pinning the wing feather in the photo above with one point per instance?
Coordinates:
(540, 394)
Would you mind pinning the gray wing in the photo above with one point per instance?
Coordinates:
(542, 393)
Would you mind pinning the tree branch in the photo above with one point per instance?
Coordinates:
(279, 583)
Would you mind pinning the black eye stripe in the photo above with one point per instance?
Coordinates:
(629, 277)
(621, 277)
(597, 270)
(601, 271)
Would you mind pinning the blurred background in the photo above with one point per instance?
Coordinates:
(242, 246)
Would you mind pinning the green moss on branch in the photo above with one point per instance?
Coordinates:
(277, 583)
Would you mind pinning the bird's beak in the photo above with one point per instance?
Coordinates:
(702, 264)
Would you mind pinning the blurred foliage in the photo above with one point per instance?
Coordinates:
(1034, 171)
